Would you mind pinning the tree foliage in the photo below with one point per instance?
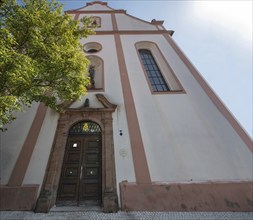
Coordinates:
(41, 58)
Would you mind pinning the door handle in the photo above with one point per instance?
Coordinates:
(81, 173)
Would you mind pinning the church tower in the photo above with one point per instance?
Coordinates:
(149, 135)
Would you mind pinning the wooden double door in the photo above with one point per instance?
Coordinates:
(81, 176)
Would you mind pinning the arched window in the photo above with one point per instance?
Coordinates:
(160, 76)
(155, 77)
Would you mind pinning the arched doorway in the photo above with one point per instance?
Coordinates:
(81, 173)
(71, 116)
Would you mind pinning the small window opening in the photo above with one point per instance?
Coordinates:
(92, 47)
(92, 51)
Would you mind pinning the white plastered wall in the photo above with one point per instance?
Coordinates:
(185, 136)
(37, 167)
(12, 140)
(126, 22)
(113, 92)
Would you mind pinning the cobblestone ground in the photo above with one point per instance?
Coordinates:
(96, 215)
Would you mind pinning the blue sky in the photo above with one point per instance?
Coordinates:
(215, 35)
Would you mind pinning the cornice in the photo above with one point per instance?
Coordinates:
(120, 11)
(135, 32)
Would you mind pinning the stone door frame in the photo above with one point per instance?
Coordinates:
(101, 116)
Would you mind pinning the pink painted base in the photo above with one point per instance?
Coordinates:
(209, 196)
(18, 198)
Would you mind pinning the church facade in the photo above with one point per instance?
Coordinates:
(149, 135)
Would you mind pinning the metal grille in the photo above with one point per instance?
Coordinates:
(155, 77)
(85, 127)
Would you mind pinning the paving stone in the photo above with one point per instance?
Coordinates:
(97, 215)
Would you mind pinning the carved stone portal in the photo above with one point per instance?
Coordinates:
(101, 116)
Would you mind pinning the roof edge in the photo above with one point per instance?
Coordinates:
(96, 11)
(242, 133)
(96, 2)
(91, 3)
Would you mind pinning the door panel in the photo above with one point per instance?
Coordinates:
(69, 190)
(90, 184)
(69, 182)
(81, 171)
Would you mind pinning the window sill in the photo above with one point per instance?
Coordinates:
(169, 92)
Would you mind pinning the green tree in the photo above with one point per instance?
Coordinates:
(41, 58)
